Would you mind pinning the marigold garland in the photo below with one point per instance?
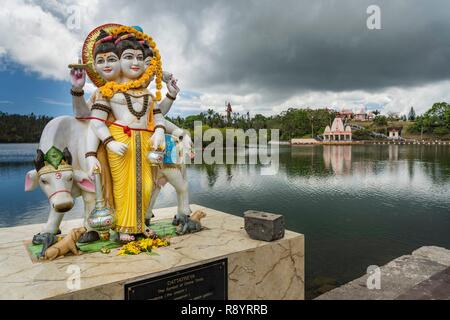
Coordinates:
(155, 68)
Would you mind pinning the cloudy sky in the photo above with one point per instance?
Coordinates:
(263, 56)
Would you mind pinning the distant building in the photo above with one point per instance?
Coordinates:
(394, 134)
(361, 115)
(303, 141)
(337, 132)
(370, 116)
(345, 114)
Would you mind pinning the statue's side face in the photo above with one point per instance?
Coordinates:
(107, 65)
(132, 63)
(147, 63)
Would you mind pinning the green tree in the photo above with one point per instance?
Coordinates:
(364, 134)
(21, 128)
(292, 123)
(380, 120)
(435, 121)
(411, 114)
(440, 131)
(439, 113)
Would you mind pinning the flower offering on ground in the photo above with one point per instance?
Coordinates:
(143, 245)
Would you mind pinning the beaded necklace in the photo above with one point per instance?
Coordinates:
(137, 114)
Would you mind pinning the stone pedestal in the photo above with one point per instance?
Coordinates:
(256, 269)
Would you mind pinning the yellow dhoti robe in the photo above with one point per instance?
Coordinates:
(132, 180)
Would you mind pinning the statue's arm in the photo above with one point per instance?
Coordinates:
(100, 110)
(92, 100)
(160, 122)
(165, 105)
(92, 140)
(78, 79)
(97, 127)
(96, 131)
(174, 130)
(92, 143)
(80, 107)
(172, 92)
(158, 140)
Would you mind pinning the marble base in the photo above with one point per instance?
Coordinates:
(256, 269)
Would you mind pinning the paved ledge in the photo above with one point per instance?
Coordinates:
(422, 275)
(256, 269)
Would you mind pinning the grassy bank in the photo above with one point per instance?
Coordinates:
(406, 130)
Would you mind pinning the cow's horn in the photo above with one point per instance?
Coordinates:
(39, 160)
(67, 155)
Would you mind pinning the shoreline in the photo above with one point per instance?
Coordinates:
(442, 143)
(420, 275)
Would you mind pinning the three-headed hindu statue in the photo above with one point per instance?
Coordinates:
(126, 122)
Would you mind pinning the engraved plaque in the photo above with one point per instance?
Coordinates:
(208, 281)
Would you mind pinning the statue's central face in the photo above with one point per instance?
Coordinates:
(132, 63)
(107, 65)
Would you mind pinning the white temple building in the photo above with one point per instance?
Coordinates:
(337, 132)
(394, 134)
(361, 114)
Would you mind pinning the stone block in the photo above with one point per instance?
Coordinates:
(264, 226)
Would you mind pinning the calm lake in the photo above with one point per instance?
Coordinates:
(357, 205)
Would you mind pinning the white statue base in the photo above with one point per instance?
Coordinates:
(255, 269)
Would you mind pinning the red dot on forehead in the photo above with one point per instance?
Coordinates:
(58, 175)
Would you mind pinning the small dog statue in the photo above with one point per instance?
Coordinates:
(191, 223)
(66, 245)
(178, 218)
(46, 239)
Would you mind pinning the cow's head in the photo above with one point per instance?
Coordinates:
(55, 175)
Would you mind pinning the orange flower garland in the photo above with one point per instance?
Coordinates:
(155, 68)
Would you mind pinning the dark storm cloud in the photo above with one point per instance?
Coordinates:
(327, 46)
(317, 45)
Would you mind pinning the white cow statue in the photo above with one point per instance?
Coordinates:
(68, 181)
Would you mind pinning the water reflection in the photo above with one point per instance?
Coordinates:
(393, 152)
(229, 172)
(211, 173)
(430, 164)
(339, 158)
(357, 205)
